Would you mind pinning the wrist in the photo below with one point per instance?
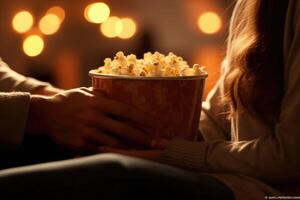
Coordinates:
(36, 116)
(47, 91)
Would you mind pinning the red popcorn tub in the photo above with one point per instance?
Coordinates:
(174, 102)
(163, 86)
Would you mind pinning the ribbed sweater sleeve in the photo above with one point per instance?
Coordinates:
(13, 116)
(186, 154)
(15, 92)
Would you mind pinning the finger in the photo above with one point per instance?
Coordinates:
(123, 110)
(89, 90)
(159, 143)
(95, 92)
(121, 130)
(84, 90)
(97, 136)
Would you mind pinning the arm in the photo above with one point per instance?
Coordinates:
(14, 106)
(11, 81)
(272, 157)
(75, 119)
(78, 119)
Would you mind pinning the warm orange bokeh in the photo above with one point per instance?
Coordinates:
(128, 28)
(112, 27)
(33, 45)
(58, 11)
(49, 24)
(22, 21)
(211, 57)
(209, 22)
(97, 12)
(67, 69)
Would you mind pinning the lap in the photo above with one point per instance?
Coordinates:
(109, 176)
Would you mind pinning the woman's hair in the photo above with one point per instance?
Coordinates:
(253, 76)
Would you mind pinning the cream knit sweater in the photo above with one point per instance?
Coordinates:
(244, 153)
(14, 104)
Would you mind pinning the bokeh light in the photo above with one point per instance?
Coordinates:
(22, 21)
(33, 45)
(112, 27)
(210, 56)
(58, 11)
(49, 24)
(97, 12)
(209, 23)
(128, 28)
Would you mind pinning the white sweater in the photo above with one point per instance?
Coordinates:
(252, 159)
(14, 105)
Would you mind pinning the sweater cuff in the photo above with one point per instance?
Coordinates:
(13, 118)
(186, 154)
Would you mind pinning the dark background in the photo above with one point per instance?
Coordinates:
(78, 46)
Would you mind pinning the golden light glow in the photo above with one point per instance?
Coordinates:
(210, 56)
(97, 13)
(22, 21)
(49, 24)
(58, 11)
(128, 28)
(33, 45)
(87, 8)
(209, 23)
(112, 27)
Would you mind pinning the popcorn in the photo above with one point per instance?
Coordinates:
(152, 65)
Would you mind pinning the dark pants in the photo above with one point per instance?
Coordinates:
(108, 176)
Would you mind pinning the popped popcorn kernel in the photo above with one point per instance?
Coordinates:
(151, 65)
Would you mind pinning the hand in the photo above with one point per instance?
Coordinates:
(80, 119)
(154, 154)
(47, 91)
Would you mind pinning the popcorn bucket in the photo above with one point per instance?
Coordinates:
(173, 102)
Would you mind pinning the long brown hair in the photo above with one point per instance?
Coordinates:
(253, 79)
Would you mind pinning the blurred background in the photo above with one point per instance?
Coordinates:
(60, 41)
